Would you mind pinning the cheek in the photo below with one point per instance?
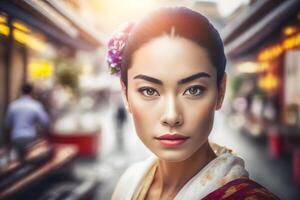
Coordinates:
(143, 115)
(200, 115)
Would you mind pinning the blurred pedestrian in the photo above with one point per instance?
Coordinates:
(120, 121)
(22, 120)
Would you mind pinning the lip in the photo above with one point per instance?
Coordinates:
(172, 137)
(172, 140)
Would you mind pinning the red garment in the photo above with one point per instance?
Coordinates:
(239, 189)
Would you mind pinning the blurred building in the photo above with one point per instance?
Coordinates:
(33, 35)
(263, 44)
(47, 43)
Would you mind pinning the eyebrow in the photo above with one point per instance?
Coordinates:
(193, 77)
(182, 81)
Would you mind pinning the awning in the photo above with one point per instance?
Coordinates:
(46, 18)
(254, 35)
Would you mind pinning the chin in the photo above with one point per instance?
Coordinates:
(173, 155)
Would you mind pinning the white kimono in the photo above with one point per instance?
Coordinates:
(223, 169)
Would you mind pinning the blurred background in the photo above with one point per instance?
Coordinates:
(59, 46)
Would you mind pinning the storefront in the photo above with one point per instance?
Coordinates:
(265, 52)
(281, 72)
(33, 35)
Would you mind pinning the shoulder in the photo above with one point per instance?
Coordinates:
(27, 102)
(35, 105)
(14, 104)
(241, 188)
(131, 178)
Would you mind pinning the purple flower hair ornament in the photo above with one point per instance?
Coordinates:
(115, 45)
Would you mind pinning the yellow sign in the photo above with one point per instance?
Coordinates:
(39, 68)
(4, 30)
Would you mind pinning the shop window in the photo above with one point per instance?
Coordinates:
(291, 87)
(2, 88)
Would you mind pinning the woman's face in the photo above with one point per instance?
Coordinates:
(172, 90)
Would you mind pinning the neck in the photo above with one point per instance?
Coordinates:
(172, 176)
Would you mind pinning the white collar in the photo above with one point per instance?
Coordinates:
(223, 169)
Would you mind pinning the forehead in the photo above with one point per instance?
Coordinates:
(176, 56)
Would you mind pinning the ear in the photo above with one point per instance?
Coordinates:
(124, 96)
(221, 92)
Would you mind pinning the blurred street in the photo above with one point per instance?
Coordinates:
(55, 82)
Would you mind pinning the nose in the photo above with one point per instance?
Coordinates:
(171, 116)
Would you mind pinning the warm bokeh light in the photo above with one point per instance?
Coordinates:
(4, 30)
(2, 19)
(21, 35)
(248, 67)
(276, 50)
(269, 82)
(29, 40)
(270, 53)
(21, 27)
(109, 15)
(289, 30)
(291, 42)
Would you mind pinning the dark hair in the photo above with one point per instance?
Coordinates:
(27, 88)
(188, 24)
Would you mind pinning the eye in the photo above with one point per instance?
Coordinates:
(148, 92)
(196, 90)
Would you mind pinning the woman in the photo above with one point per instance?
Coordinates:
(172, 71)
